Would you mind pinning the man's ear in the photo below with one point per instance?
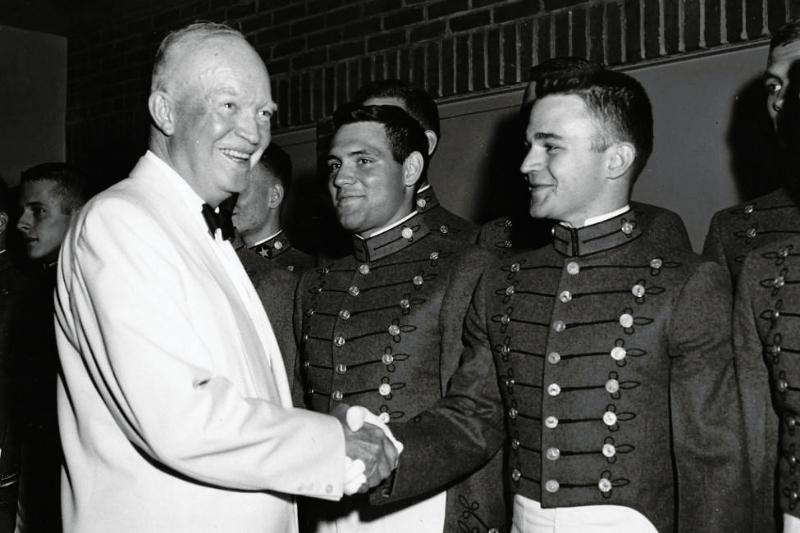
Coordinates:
(621, 158)
(412, 168)
(433, 141)
(276, 194)
(160, 106)
(3, 221)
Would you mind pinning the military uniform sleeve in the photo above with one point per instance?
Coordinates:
(713, 249)
(464, 429)
(713, 483)
(760, 418)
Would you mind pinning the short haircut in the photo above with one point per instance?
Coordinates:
(72, 187)
(404, 133)
(418, 103)
(788, 33)
(279, 164)
(564, 66)
(616, 101)
(188, 35)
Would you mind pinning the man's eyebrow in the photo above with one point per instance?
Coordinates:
(543, 135)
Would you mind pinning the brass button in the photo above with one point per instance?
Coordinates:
(551, 422)
(339, 341)
(363, 269)
(344, 314)
(421, 203)
(618, 353)
(443, 229)
(551, 486)
(612, 386)
(405, 303)
(573, 268)
(553, 454)
(515, 267)
(609, 450)
(627, 228)
(514, 444)
(337, 395)
(553, 389)
(512, 413)
(387, 359)
(341, 368)
(510, 290)
(516, 474)
(656, 263)
(353, 290)
(434, 256)
(278, 245)
(604, 485)
(385, 389)
(394, 330)
(565, 297)
(418, 280)
(752, 232)
(626, 320)
(553, 358)
(778, 282)
(748, 209)
(638, 290)
(407, 233)
(609, 418)
(559, 326)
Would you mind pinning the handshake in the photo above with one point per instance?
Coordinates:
(371, 450)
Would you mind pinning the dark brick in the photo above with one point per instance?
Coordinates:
(353, 78)
(341, 16)
(286, 48)
(305, 98)
(346, 50)
(754, 20)
(340, 84)
(463, 71)
(280, 66)
(309, 25)
(651, 28)
(295, 102)
(324, 38)
(614, 35)
(543, 48)
(386, 40)
(691, 26)
(289, 14)
(271, 35)
(446, 7)
(433, 83)
(308, 59)
(447, 83)
(329, 92)
(362, 28)
(316, 95)
(794, 11)
(281, 95)
(510, 73)
(671, 26)
(479, 61)
(240, 10)
(733, 16)
(418, 67)
(579, 46)
(316, 7)
(403, 18)
(525, 33)
(470, 20)
(379, 7)
(378, 67)
(552, 5)
(633, 29)
(493, 62)
(194, 10)
(367, 66)
(256, 23)
(428, 31)
(483, 3)
(404, 63)
(515, 11)
(713, 23)
(391, 65)
(777, 15)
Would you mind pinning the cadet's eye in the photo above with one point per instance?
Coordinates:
(773, 87)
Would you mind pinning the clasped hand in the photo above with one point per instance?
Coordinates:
(369, 441)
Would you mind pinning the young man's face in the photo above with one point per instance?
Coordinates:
(566, 176)
(252, 209)
(776, 76)
(365, 182)
(44, 220)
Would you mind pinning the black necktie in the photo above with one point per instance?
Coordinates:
(221, 221)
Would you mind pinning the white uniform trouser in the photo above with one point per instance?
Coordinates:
(529, 517)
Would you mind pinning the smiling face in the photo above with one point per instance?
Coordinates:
(367, 186)
(776, 77)
(567, 177)
(44, 221)
(221, 105)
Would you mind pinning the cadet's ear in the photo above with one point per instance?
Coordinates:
(412, 168)
(3, 221)
(621, 158)
(433, 141)
(160, 106)
(276, 193)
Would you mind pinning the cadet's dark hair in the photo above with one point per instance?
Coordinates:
(278, 163)
(404, 133)
(72, 187)
(617, 102)
(788, 33)
(417, 102)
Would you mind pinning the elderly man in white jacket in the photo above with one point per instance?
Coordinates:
(174, 405)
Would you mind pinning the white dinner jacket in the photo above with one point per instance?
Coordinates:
(173, 406)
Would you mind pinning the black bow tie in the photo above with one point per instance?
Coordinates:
(221, 221)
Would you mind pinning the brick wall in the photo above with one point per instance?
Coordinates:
(320, 51)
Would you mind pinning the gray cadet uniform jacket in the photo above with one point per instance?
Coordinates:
(383, 329)
(615, 365)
